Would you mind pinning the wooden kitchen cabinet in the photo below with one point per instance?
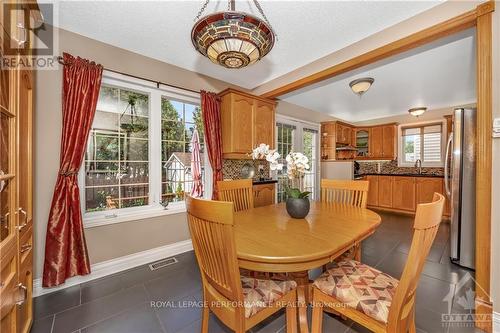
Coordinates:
(263, 195)
(403, 193)
(246, 122)
(385, 191)
(372, 199)
(376, 142)
(389, 142)
(426, 188)
(383, 142)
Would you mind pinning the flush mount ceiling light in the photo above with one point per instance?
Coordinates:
(417, 111)
(233, 39)
(360, 86)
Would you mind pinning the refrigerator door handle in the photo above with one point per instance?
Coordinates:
(447, 160)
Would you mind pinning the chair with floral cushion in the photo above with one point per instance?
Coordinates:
(372, 298)
(348, 192)
(239, 192)
(239, 302)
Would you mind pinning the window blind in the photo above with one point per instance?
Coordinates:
(423, 142)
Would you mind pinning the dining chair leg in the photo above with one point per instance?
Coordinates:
(411, 326)
(317, 316)
(204, 319)
(357, 252)
(291, 316)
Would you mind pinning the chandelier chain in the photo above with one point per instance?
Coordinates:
(202, 9)
(261, 11)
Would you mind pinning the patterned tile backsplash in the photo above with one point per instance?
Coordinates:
(231, 169)
(391, 167)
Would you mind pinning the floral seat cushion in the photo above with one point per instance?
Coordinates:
(259, 294)
(359, 286)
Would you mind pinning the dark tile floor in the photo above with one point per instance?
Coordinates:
(140, 300)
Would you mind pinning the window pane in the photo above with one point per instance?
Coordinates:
(309, 146)
(411, 148)
(284, 144)
(178, 123)
(118, 151)
(423, 143)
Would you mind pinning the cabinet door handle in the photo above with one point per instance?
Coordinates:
(25, 294)
(25, 222)
(25, 247)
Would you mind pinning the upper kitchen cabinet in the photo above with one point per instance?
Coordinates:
(247, 121)
(383, 142)
(344, 133)
(361, 140)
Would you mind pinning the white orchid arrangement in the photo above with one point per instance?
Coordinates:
(271, 155)
(297, 165)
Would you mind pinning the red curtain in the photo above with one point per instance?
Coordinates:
(65, 248)
(210, 108)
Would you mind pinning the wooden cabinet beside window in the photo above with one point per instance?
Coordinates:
(383, 142)
(247, 121)
(264, 195)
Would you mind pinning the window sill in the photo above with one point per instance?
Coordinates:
(98, 221)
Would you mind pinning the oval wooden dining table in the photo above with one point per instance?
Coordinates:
(269, 240)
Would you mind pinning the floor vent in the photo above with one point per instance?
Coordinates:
(163, 263)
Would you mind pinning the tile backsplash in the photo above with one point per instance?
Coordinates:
(231, 169)
(391, 167)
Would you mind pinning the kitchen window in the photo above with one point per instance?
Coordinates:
(422, 142)
(138, 153)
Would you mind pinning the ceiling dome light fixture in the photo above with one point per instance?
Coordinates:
(232, 39)
(417, 111)
(360, 86)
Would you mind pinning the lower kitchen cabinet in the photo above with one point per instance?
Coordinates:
(372, 199)
(403, 193)
(385, 191)
(263, 195)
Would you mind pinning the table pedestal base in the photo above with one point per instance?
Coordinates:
(303, 298)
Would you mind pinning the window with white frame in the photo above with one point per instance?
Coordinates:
(139, 148)
(292, 134)
(422, 142)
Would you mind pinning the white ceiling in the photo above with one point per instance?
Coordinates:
(307, 30)
(438, 75)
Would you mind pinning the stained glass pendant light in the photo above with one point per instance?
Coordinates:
(233, 39)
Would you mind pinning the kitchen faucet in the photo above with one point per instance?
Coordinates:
(418, 164)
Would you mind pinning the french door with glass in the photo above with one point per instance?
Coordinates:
(293, 135)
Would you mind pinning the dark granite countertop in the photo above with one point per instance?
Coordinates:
(265, 181)
(402, 174)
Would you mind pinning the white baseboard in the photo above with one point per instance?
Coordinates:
(116, 265)
(496, 322)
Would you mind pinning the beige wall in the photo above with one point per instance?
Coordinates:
(299, 112)
(115, 240)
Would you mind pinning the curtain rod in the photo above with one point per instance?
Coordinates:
(60, 59)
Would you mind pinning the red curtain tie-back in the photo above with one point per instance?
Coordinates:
(66, 252)
(68, 173)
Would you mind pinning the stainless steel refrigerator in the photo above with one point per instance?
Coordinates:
(460, 185)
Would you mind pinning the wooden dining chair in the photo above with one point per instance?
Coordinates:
(238, 191)
(374, 299)
(239, 302)
(349, 192)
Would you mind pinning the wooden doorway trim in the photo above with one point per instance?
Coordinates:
(481, 18)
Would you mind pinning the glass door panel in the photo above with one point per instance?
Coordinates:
(285, 136)
(310, 149)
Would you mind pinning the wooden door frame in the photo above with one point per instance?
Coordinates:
(481, 19)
